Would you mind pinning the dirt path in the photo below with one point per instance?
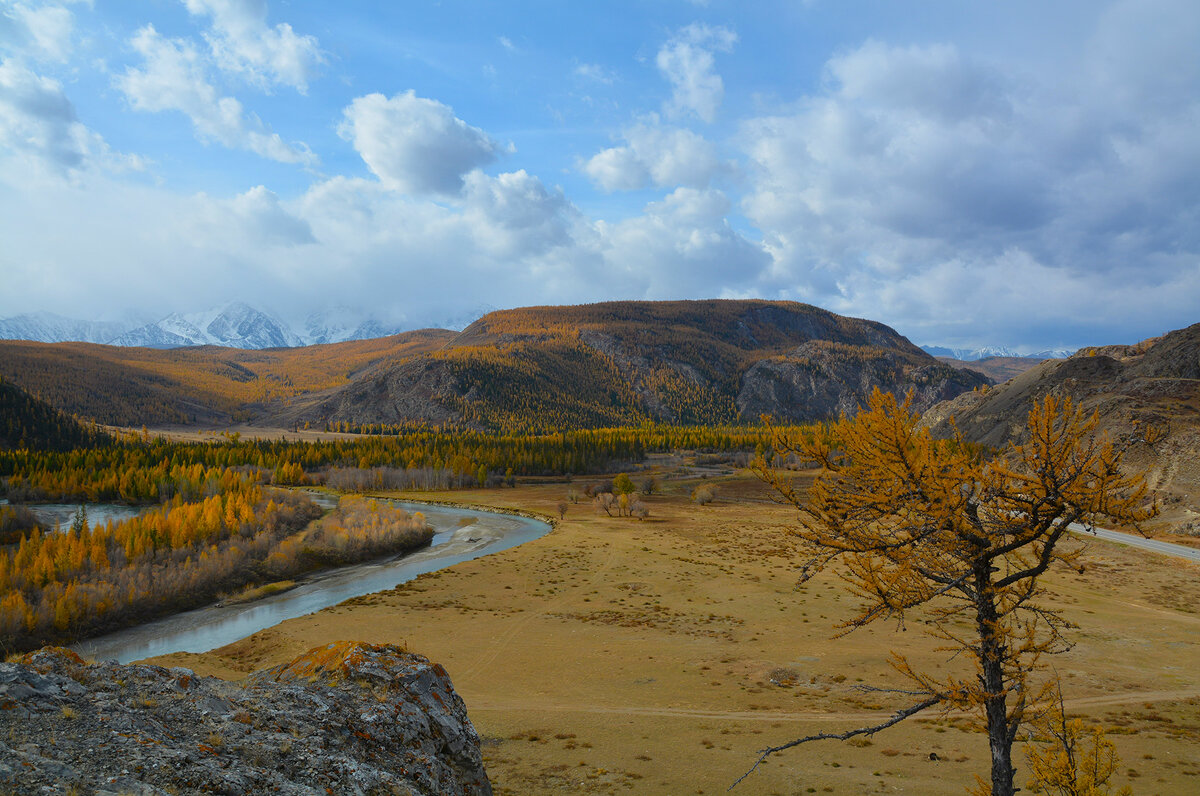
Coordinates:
(856, 717)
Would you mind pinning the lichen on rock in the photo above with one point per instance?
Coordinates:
(346, 717)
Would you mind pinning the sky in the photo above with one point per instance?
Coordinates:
(1023, 174)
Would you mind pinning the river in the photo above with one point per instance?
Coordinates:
(56, 514)
(461, 535)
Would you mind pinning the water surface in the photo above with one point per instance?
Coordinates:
(53, 515)
(461, 535)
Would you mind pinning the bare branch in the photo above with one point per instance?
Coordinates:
(896, 718)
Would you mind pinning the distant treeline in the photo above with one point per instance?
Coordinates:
(150, 470)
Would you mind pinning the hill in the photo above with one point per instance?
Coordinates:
(530, 369)
(190, 386)
(26, 422)
(1138, 391)
(621, 363)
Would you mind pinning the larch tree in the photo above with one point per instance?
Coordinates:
(936, 528)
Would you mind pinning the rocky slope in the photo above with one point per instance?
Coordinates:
(535, 369)
(821, 379)
(619, 363)
(1139, 390)
(344, 718)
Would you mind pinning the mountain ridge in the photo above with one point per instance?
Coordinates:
(1146, 397)
(620, 363)
(234, 324)
(524, 370)
(993, 352)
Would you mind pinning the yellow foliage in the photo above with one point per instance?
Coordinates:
(926, 525)
(1068, 758)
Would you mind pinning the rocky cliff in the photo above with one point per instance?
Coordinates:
(1146, 397)
(631, 362)
(343, 718)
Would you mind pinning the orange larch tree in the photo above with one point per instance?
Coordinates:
(916, 524)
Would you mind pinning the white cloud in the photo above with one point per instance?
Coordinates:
(39, 121)
(595, 73)
(923, 186)
(42, 32)
(935, 81)
(265, 218)
(656, 155)
(514, 214)
(173, 77)
(682, 246)
(243, 43)
(415, 145)
(507, 44)
(687, 62)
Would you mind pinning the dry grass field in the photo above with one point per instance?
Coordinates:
(623, 656)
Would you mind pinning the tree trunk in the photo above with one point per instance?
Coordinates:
(992, 653)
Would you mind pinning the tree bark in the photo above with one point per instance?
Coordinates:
(991, 663)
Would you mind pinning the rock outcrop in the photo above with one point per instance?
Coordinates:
(821, 379)
(346, 718)
(1146, 397)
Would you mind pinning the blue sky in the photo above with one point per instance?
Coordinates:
(1019, 173)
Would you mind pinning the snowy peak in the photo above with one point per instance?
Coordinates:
(232, 325)
(339, 324)
(46, 327)
(976, 354)
(1053, 353)
(235, 325)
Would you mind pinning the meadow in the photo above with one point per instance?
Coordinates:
(658, 655)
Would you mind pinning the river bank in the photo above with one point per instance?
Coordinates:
(213, 626)
(657, 656)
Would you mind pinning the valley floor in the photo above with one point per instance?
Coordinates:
(625, 656)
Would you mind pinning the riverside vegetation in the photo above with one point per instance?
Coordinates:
(190, 476)
(60, 586)
(219, 525)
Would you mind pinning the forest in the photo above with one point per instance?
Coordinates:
(153, 469)
(222, 518)
(74, 582)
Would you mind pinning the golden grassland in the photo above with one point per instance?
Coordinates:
(623, 656)
(184, 385)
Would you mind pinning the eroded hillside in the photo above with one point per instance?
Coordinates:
(1147, 396)
(621, 363)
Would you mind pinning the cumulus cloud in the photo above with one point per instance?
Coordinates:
(687, 62)
(415, 145)
(173, 77)
(921, 166)
(655, 155)
(683, 246)
(515, 214)
(265, 217)
(243, 43)
(38, 120)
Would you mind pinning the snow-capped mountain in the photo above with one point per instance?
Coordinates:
(339, 324)
(46, 327)
(461, 320)
(235, 325)
(976, 354)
